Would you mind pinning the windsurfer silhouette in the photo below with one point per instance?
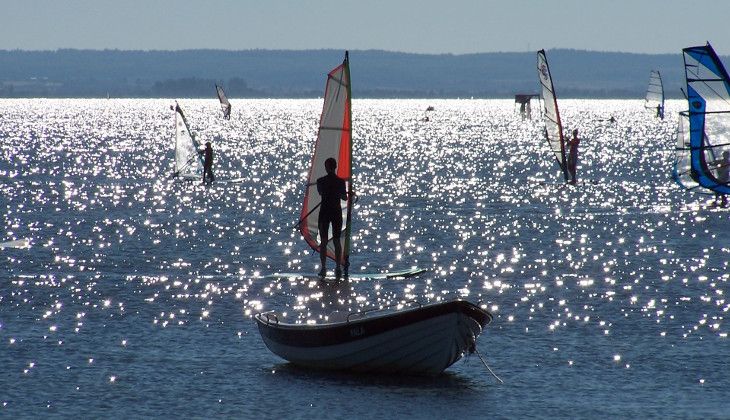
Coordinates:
(208, 163)
(332, 190)
(573, 156)
(723, 176)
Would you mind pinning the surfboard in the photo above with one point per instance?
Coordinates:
(20, 243)
(411, 272)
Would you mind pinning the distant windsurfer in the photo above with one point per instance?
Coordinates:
(660, 111)
(332, 190)
(723, 176)
(573, 156)
(208, 163)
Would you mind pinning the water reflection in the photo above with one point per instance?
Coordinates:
(473, 195)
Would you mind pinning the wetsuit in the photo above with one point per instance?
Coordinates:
(331, 188)
(573, 158)
(208, 165)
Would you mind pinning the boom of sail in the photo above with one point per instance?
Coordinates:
(708, 95)
(188, 163)
(655, 94)
(225, 105)
(553, 126)
(334, 140)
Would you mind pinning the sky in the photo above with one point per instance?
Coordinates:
(423, 26)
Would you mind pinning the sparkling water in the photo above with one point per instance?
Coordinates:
(124, 293)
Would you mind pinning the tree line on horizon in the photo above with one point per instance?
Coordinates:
(376, 74)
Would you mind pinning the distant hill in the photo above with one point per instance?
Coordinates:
(285, 73)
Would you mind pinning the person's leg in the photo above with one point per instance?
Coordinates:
(336, 233)
(323, 228)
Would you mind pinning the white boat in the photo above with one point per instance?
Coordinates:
(421, 340)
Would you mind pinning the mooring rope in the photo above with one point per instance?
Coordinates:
(476, 350)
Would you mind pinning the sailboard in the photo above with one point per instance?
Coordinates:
(708, 96)
(225, 105)
(654, 99)
(553, 125)
(390, 275)
(334, 140)
(188, 163)
(17, 243)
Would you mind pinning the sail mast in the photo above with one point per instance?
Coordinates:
(553, 125)
(350, 189)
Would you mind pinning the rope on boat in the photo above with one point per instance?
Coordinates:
(476, 350)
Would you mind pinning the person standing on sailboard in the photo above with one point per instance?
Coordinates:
(723, 176)
(332, 190)
(573, 156)
(208, 163)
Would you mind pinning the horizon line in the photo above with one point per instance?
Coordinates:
(5, 50)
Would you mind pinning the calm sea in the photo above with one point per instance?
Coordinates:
(136, 293)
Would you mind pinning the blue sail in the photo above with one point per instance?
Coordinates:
(708, 95)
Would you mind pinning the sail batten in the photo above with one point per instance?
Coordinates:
(188, 163)
(553, 125)
(708, 96)
(334, 140)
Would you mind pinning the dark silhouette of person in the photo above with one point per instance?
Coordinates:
(573, 156)
(660, 111)
(332, 190)
(723, 176)
(208, 163)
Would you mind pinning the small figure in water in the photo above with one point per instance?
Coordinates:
(723, 176)
(208, 163)
(612, 119)
(659, 111)
(332, 190)
(573, 156)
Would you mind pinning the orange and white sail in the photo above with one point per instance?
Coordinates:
(334, 140)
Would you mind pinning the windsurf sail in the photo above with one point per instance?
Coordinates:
(225, 105)
(708, 95)
(682, 170)
(188, 163)
(655, 94)
(334, 140)
(553, 126)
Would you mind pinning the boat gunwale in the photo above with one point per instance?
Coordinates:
(334, 333)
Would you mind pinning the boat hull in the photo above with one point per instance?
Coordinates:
(424, 340)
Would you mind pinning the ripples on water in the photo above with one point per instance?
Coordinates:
(137, 289)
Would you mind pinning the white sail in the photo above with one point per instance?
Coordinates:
(655, 93)
(188, 163)
(333, 141)
(225, 105)
(553, 126)
(682, 171)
